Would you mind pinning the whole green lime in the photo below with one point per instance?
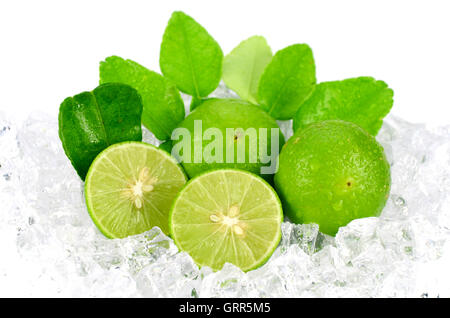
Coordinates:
(228, 133)
(331, 173)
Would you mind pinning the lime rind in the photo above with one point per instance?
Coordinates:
(165, 157)
(330, 173)
(269, 248)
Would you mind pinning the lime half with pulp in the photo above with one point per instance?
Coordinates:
(130, 188)
(227, 216)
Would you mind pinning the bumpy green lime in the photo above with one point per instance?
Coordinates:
(218, 115)
(227, 215)
(130, 188)
(330, 173)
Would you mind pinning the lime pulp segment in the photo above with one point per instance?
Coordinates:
(130, 188)
(227, 215)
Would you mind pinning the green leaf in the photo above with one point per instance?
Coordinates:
(167, 145)
(195, 102)
(243, 67)
(363, 101)
(190, 57)
(91, 121)
(287, 81)
(163, 106)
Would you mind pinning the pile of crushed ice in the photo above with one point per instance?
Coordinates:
(50, 247)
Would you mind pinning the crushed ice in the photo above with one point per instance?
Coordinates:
(50, 246)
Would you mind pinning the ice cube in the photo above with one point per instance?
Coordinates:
(50, 246)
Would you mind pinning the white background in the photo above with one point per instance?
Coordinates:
(51, 49)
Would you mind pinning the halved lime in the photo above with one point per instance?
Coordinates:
(130, 188)
(227, 215)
